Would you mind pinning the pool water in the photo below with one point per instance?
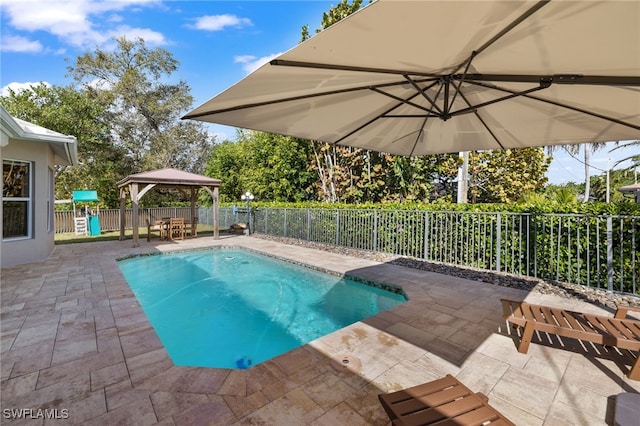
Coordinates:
(232, 308)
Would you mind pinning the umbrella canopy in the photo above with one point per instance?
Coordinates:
(426, 77)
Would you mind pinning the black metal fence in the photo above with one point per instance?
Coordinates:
(595, 251)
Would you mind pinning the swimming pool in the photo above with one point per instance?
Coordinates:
(233, 308)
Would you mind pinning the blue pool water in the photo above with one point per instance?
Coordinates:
(231, 308)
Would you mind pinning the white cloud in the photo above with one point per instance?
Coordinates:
(220, 22)
(251, 63)
(19, 87)
(72, 21)
(11, 43)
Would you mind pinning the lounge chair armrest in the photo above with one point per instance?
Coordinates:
(622, 311)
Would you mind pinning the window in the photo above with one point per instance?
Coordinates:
(16, 199)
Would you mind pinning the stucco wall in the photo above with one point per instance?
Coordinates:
(41, 243)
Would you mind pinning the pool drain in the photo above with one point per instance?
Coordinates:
(346, 361)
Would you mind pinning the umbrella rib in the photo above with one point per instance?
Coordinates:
(297, 98)
(424, 95)
(533, 9)
(398, 98)
(420, 132)
(316, 65)
(357, 129)
(473, 108)
(591, 113)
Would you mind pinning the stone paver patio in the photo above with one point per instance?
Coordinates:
(75, 339)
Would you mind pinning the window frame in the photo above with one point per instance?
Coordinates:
(28, 200)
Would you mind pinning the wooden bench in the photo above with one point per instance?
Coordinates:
(443, 401)
(617, 331)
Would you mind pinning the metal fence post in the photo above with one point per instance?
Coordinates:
(610, 253)
(498, 241)
(375, 230)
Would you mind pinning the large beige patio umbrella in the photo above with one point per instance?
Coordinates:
(425, 77)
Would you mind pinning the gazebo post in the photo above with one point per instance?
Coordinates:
(192, 198)
(134, 218)
(123, 219)
(216, 225)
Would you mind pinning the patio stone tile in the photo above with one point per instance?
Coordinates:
(29, 358)
(136, 413)
(20, 385)
(295, 360)
(122, 393)
(244, 405)
(235, 384)
(68, 370)
(572, 400)
(58, 395)
(279, 388)
(549, 363)
(74, 328)
(110, 375)
(145, 366)
(5, 369)
(502, 348)
(7, 339)
(214, 412)
(404, 375)
(515, 413)
(367, 405)
(35, 335)
(167, 404)
(481, 373)
(37, 317)
(270, 371)
(600, 371)
(417, 336)
(74, 348)
(342, 414)
(173, 379)
(294, 408)
(81, 411)
(140, 341)
(527, 391)
(208, 380)
(439, 365)
(327, 390)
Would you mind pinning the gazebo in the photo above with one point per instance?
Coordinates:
(140, 183)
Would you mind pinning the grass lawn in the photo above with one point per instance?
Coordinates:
(71, 237)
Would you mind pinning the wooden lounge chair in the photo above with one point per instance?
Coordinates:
(617, 331)
(443, 401)
(176, 228)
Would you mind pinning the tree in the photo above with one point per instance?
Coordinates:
(144, 107)
(81, 114)
(502, 176)
(272, 167)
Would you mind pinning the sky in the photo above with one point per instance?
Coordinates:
(217, 43)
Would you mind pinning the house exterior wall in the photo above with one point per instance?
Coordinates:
(40, 244)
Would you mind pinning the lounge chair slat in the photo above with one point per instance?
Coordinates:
(422, 390)
(432, 400)
(437, 413)
(447, 401)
